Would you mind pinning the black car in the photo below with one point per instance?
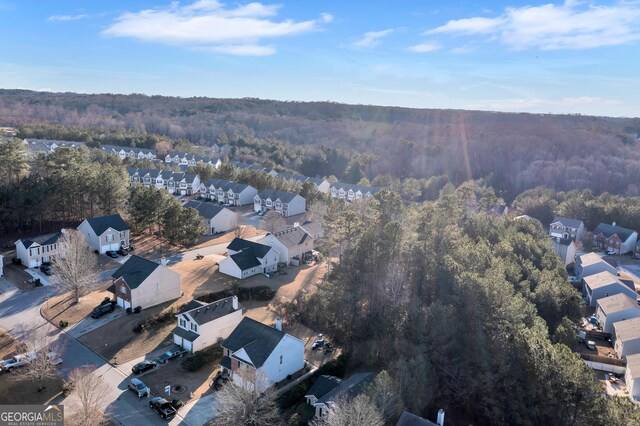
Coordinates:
(143, 366)
(103, 309)
(112, 254)
(46, 269)
(162, 407)
(171, 354)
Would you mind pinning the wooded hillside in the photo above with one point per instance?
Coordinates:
(513, 152)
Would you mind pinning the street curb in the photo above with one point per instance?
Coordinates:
(106, 361)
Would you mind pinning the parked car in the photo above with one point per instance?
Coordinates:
(143, 366)
(122, 252)
(112, 254)
(46, 269)
(162, 407)
(139, 388)
(103, 309)
(171, 354)
(317, 344)
(54, 358)
(17, 361)
(591, 345)
(611, 252)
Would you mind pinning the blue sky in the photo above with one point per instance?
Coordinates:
(561, 57)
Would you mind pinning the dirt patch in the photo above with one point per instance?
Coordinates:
(8, 345)
(64, 308)
(117, 342)
(17, 276)
(15, 390)
(193, 385)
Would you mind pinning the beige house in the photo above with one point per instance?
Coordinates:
(627, 337)
(105, 233)
(143, 283)
(604, 284)
(591, 264)
(632, 376)
(565, 248)
(612, 309)
(201, 325)
(293, 244)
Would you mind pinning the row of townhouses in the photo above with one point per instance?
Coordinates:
(352, 192)
(322, 185)
(282, 202)
(178, 183)
(227, 192)
(129, 152)
(189, 160)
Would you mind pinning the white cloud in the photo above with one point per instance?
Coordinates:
(572, 25)
(425, 47)
(62, 18)
(371, 39)
(212, 26)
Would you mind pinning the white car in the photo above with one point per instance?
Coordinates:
(54, 358)
(611, 252)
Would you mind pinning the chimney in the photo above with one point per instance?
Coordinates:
(279, 324)
(234, 300)
(163, 261)
(440, 417)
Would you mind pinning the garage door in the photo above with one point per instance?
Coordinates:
(187, 345)
(177, 340)
(114, 246)
(183, 192)
(123, 303)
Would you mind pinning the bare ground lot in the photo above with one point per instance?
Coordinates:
(63, 306)
(17, 276)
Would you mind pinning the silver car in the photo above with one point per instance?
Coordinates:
(139, 388)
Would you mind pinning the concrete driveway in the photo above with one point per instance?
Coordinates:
(198, 412)
(89, 324)
(37, 273)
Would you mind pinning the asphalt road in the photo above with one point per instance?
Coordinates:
(23, 309)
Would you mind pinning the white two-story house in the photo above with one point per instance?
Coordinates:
(247, 258)
(105, 233)
(282, 202)
(130, 152)
(350, 192)
(562, 227)
(201, 325)
(34, 251)
(267, 352)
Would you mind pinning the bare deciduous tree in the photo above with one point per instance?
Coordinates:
(36, 341)
(75, 265)
(359, 411)
(273, 221)
(384, 394)
(239, 228)
(243, 403)
(89, 391)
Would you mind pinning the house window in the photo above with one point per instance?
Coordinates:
(183, 323)
(109, 237)
(122, 235)
(123, 289)
(194, 327)
(281, 359)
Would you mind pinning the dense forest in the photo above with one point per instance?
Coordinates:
(466, 313)
(512, 152)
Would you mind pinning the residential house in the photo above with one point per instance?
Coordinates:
(246, 258)
(626, 337)
(190, 160)
(612, 309)
(143, 283)
(322, 386)
(591, 264)
(294, 244)
(346, 390)
(616, 238)
(201, 325)
(351, 192)
(253, 167)
(215, 217)
(321, 184)
(133, 153)
(563, 227)
(604, 284)
(265, 351)
(632, 376)
(34, 251)
(183, 183)
(105, 233)
(282, 202)
(313, 228)
(228, 192)
(409, 419)
(565, 248)
(47, 146)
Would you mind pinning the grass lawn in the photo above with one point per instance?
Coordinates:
(63, 306)
(15, 390)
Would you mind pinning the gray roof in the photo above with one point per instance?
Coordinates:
(355, 188)
(257, 339)
(135, 270)
(283, 196)
(206, 210)
(322, 386)
(246, 259)
(211, 311)
(349, 388)
(185, 334)
(43, 240)
(191, 305)
(102, 223)
(562, 241)
(240, 244)
(609, 230)
(569, 223)
(408, 419)
(117, 148)
(292, 237)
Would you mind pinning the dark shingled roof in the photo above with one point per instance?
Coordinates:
(43, 240)
(283, 196)
(322, 386)
(408, 419)
(608, 230)
(191, 305)
(135, 270)
(349, 388)
(206, 210)
(246, 259)
(565, 221)
(211, 311)
(562, 241)
(185, 334)
(240, 244)
(226, 362)
(102, 223)
(257, 339)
